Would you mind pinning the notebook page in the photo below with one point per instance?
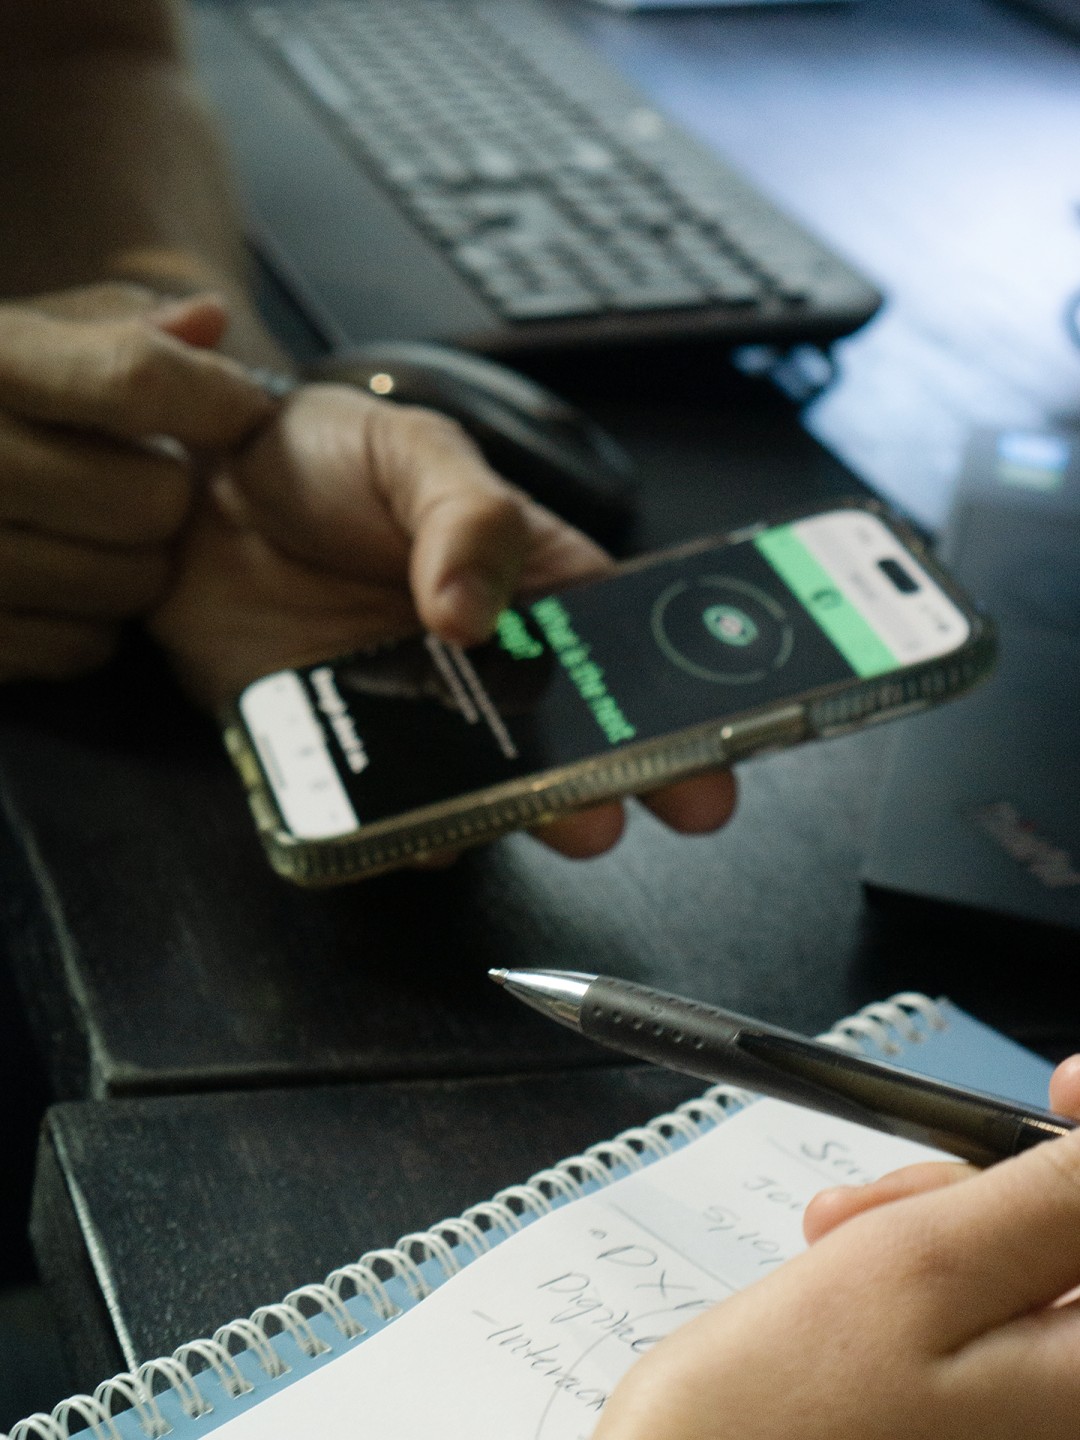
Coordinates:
(528, 1341)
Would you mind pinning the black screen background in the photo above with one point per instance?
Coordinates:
(422, 750)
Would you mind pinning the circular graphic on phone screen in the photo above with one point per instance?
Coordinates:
(722, 629)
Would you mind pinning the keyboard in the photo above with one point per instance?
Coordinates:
(559, 197)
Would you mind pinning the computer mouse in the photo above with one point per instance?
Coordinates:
(532, 437)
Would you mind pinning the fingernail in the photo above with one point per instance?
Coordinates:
(472, 604)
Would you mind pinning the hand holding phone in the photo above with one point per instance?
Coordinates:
(670, 666)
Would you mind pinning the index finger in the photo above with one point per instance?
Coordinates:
(998, 1246)
(126, 378)
(831, 1208)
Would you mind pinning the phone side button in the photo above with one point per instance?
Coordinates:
(774, 731)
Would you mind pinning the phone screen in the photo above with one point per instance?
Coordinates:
(682, 641)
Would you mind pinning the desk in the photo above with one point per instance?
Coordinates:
(931, 141)
(158, 956)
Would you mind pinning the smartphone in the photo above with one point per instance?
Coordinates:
(695, 657)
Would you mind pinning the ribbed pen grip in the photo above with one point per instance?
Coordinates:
(691, 1037)
(717, 1045)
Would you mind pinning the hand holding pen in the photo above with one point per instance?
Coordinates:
(928, 1307)
(929, 1304)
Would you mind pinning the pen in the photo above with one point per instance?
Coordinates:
(719, 1045)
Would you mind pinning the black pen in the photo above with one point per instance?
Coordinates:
(719, 1045)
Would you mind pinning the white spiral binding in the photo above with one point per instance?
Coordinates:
(887, 1026)
(557, 1184)
(35, 1427)
(329, 1303)
(128, 1388)
(531, 1203)
(362, 1280)
(216, 1358)
(179, 1379)
(585, 1168)
(466, 1233)
(499, 1217)
(254, 1338)
(432, 1246)
(403, 1268)
(86, 1409)
(293, 1321)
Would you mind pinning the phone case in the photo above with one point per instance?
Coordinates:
(525, 803)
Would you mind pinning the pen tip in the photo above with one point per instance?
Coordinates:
(499, 976)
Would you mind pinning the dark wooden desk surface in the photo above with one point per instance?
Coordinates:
(931, 139)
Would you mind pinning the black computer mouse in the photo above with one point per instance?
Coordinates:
(530, 436)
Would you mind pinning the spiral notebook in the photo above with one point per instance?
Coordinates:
(517, 1318)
